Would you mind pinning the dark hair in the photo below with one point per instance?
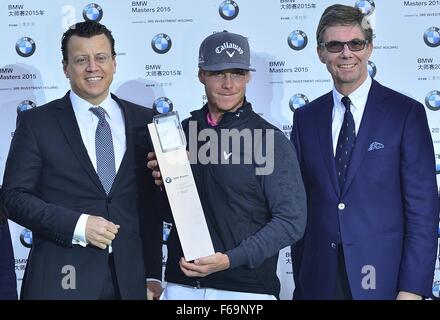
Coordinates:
(86, 29)
(340, 15)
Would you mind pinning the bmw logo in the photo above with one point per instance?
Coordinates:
(25, 47)
(366, 6)
(25, 105)
(432, 37)
(163, 105)
(92, 12)
(161, 43)
(26, 238)
(168, 179)
(432, 100)
(297, 40)
(298, 100)
(228, 10)
(371, 69)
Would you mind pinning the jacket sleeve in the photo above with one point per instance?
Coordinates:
(296, 250)
(286, 201)
(420, 199)
(8, 281)
(20, 198)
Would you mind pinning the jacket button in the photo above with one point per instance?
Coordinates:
(341, 206)
(333, 245)
(109, 200)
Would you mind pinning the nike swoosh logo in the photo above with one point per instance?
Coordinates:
(227, 155)
(230, 54)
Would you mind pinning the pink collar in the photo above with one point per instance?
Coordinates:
(210, 121)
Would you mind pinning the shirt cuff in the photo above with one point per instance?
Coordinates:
(79, 235)
(152, 279)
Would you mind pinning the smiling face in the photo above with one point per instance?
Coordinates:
(225, 90)
(348, 68)
(90, 80)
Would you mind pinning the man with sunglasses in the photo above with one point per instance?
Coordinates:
(76, 177)
(367, 162)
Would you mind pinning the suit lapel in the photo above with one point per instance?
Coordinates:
(324, 127)
(374, 115)
(69, 125)
(128, 120)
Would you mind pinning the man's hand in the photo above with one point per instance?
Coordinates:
(154, 290)
(403, 295)
(100, 232)
(152, 164)
(205, 266)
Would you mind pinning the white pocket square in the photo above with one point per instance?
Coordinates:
(375, 146)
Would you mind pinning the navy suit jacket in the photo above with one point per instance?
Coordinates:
(387, 212)
(50, 181)
(8, 281)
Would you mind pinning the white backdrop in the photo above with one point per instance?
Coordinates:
(157, 45)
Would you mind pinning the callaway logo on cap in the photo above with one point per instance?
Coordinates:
(223, 51)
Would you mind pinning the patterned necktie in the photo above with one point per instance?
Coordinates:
(105, 154)
(346, 140)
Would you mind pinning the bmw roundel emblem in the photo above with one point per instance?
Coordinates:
(371, 69)
(297, 101)
(26, 238)
(228, 10)
(25, 47)
(432, 37)
(297, 40)
(366, 6)
(163, 105)
(168, 179)
(25, 105)
(161, 43)
(432, 100)
(93, 12)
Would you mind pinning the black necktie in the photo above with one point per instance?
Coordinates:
(346, 140)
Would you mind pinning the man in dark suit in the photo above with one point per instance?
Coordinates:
(367, 161)
(8, 281)
(75, 176)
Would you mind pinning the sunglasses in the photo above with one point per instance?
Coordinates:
(338, 46)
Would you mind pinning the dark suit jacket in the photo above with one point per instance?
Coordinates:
(8, 281)
(50, 181)
(387, 212)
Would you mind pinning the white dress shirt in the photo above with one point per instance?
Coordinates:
(358, 101)
(87, 123)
